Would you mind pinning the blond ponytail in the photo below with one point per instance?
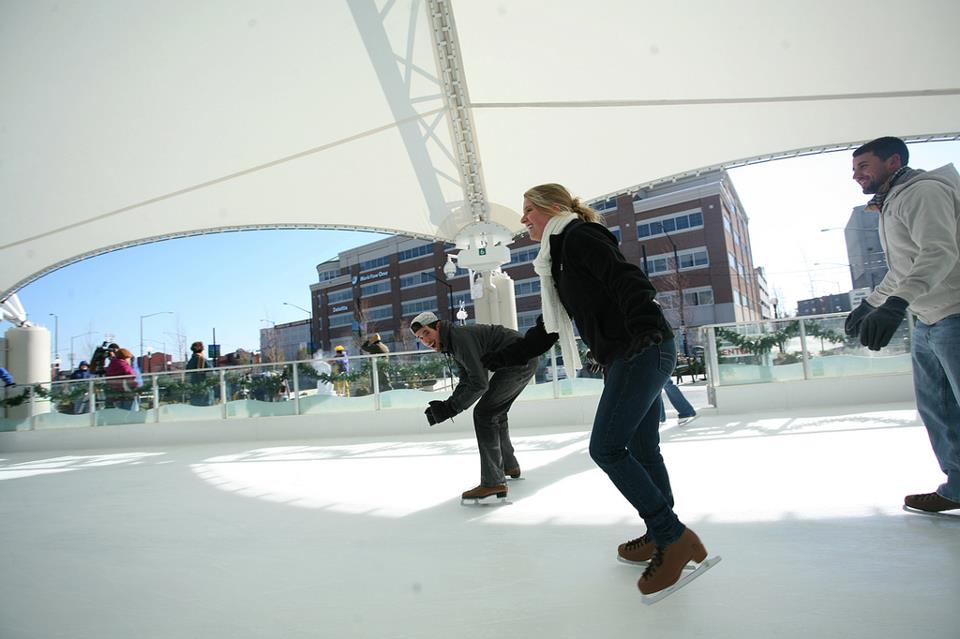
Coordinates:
(555, 198)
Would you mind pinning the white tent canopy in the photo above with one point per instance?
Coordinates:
(126, 122)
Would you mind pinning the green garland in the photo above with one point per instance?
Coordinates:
(765, 343)
(39, 391)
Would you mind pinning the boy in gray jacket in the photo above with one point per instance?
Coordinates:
(920, 234)
(467, 344)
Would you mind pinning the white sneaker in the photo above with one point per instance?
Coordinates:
(685, 420)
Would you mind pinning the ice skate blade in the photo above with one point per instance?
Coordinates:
(644, 564)
(484, 501)
(942, 514)
(685, 579)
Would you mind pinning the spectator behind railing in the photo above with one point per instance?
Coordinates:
(121, 392)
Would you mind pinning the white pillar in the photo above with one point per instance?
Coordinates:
(28, 361)
(498, 304)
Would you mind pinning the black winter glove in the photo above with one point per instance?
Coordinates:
(536, 342)
(852, 326)
(878, 327)
(438, 412)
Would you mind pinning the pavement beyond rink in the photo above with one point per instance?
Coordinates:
(367, 538)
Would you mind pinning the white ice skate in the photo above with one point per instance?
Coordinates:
(690, 572)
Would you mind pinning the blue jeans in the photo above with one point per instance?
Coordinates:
(625, 441)
(684, 408)
(936, 381)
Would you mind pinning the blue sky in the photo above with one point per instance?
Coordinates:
(231, 282)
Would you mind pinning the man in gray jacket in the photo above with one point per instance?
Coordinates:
(920, 234)
(467, 344)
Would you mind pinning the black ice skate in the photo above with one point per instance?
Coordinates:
(481, 495)
(931, 504)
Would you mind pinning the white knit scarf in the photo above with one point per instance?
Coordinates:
(555, 317)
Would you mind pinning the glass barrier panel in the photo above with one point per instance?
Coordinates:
(759, 352)
(16, 408)
(118, 401)
(772, 351)
(67, 405)
(189, 395)
(259, 391)
(832, 354)
(585, 382)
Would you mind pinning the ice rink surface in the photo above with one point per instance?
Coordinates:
(368, 538)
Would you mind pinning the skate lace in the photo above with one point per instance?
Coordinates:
(636, 543)
(655, 562)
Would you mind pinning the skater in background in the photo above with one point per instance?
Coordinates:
(584, 276)
(122, 391)
(375, 346)
(201, 394)
(685, 410)
(341, 366)
(494, 395)
(80, 405)
(101, 358)
(920, 234)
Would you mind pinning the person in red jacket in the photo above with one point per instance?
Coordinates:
(121, 390)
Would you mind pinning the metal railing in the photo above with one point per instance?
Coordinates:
(248, 390)
(797, 348)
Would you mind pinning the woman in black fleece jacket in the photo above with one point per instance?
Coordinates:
(585, 277)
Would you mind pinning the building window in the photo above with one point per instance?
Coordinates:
(527, 320)
(462, 296)
(376, 262)
(341, 295)
(329, 275)
(523, 255)
(419, 251)
(689, 259)
(691, 297)
(378, 313)
(416, 279)
(527, 287)
(670, 224)
(616, 233)
(699, 297)
(693, 259)
(383, 286)
(343, 319)
(418, 306)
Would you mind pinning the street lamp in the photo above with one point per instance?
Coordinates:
(447, 284)
(676, 270)
(56, 336)
(849, 228)
(142, 317)
(300, 307)
(71, 344)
